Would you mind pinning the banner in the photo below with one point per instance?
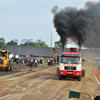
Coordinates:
(27, 40)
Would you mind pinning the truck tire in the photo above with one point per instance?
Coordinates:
(83, 73)
(57, 71)
(8, 66)
(60, 77)
(11, 66)
(79, 78)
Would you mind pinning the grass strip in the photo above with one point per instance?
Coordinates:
(19, 73)
(11, 74)
(14, 62)
(43, 63)
(16, 73)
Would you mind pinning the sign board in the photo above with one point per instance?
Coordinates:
(70, 53)
(27, 40)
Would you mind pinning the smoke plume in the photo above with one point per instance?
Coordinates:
(81, 25)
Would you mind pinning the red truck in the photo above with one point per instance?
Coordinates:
(70, 65)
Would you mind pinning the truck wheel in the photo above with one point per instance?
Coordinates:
(60, 77)
(83, 73)
(11, 66)
(57, 71)
(79, 78)
(8, 66)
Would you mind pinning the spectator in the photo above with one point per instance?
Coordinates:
(30, 65)
(51, 61)
(36, 62)
(96, 98)
(83, 59)
(29, 58)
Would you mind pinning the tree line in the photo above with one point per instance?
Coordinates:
(3, 44)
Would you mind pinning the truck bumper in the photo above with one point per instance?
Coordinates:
(70, 73)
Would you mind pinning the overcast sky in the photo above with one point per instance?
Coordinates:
(31, 19)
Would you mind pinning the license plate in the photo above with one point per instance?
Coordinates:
(70, 72)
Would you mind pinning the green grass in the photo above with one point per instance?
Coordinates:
(12, 74)
(16, 73)
(22, 72)
(45, 63)
(14, 62)
(3, 76)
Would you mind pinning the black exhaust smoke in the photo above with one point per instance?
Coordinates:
(81, 25)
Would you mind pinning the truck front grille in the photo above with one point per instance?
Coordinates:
(70, 68)
(1, 61)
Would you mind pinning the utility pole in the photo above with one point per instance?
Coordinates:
(51, 45)
(51, 38)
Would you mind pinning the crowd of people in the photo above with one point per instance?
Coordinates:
(30, 61)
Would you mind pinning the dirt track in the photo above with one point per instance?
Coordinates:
(19, 68)
(44, 85)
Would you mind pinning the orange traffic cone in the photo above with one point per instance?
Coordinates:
(96, 72)
(98, 75)
(93, 68)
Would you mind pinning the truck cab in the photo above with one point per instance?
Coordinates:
(70, 65)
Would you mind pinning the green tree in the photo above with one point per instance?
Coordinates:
(2, 43)
(59, 44)
(12, 43)
(29, 44)
(42, 44)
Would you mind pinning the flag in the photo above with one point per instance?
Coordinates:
(74, 94)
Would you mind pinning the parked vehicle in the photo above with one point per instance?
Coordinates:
(5, 61)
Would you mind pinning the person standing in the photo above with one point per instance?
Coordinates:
(96, 98)
(30, 65)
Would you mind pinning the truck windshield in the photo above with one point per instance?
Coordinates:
(70, 60)
(3, 54)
